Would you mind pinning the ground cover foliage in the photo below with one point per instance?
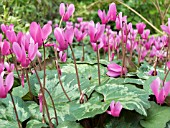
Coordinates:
(85, 74)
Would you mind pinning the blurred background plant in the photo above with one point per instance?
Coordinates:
(22, 12)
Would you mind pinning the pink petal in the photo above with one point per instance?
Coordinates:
(155, 85)
(3, 28)
(112, 12)
(109, 112)
(33, 30)
(17, 50)
(39, 38)
(70, 9)
(46, 30)
(0, 37)
(11, 36)
(9, 81)
(62, 9)
(5, 48)
(100, 31)
(69, 35)
(100, 14)
(60, 39)
(117, 109)
(114, 67)
(19, 37)
(33, 48)
(3, 93)
(161, 97)
(91, 32)
(112, 105)
(113, 74)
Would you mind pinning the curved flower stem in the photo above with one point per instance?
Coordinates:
(155, 64)
(44, 82)
(98, 62)
(83, 51)
(29, 85)
(55, 113)
(165, 77)
(39, 61)
(45, 104)
(108, 49)
(75, 65)
(15, 64)
(57, 67)
(19, 124)
(167, 54)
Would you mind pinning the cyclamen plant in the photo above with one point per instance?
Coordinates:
(121, 47)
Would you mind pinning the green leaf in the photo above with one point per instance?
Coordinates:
(8, 111)
(157, 116)
(20, 91)
(130, 97)
(90, 108)
(8, 124)
(35, 124)
(70, 124)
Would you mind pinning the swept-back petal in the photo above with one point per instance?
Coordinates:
(33, 30)
(62, 9)
(46, 31)
(60, 39)
(17, 50)
(114, 67)
(69, 34)
(3, 93)
(70, 9)
(117, 109)
(9, 81)
(155, 85)
(161, 97)
(113, 74)
(5, 48)
(39, 38)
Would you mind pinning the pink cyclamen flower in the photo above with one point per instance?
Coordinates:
(40, 34)
(64, 38)
(20, 53)
(6, 85)
(79, 34)
(5, 47)
(140, 27)
(166, 28)
(115, 108)
(6, 28)
(112, 12)
(114, 70)
(145, 34)
(66, 15)
(95, 32)
(160, 92)
(9, 67)
(104, 18)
